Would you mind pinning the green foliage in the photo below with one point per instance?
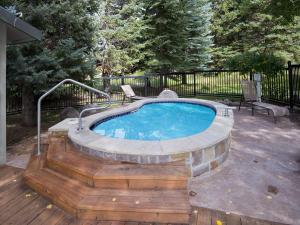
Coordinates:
(248, 26)
(125, 36)
(177, 34)
(287, 9)
(253, 62)
(198, 52)
(121, 33)
(69, 41)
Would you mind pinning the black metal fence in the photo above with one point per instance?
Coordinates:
(282, 87)
(223, 83)
(13, 100)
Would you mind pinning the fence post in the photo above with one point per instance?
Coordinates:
(251, 76)
(91, 98)
(165, 81)
(145, 86)
(161, 82)
(194, 84)
(291, 91)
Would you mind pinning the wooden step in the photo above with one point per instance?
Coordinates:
(64, 158)
(164, 206)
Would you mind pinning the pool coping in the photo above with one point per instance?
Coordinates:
(218, 130)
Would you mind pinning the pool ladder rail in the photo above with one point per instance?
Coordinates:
(101, 93)
(225, 112)
(80, 127)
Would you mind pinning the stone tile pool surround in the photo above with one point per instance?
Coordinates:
(202, 152)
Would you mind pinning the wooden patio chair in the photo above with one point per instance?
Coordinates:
(250, 97)
(129, 93)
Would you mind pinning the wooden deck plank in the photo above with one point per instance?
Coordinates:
(135, 216)
(28, 213)
(131, 223)
(194, 216)
(66, 220)
(17, 204)
(217, 217)
(249, 221)
(8, 173)
(233, 219)
(49, 216)
(204, 217)
(10, 192)
(116, 223)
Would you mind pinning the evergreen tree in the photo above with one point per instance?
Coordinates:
(198, 52)
(121, 33)
(246, 27)
(66, 51)
(177, 34)
(288, 9)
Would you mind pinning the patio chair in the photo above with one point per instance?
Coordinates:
(129, 93)
(250, 97)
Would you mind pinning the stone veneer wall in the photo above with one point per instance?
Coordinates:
(210, 158)
(199, 162)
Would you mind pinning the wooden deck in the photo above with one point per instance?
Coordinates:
(19, 205)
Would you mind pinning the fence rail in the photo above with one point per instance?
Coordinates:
(282, 87)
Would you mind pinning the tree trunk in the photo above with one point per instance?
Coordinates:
(28, 107)
(106, 83)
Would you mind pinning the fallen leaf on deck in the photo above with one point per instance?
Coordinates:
(192, 193)
(272, 189)
(219, 222)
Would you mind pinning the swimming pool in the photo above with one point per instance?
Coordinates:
(154, 131)
(158, 121)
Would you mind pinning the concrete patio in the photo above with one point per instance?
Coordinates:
(262, 154)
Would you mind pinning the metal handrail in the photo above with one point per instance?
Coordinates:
(226, 110)
(53, 89)
(80, 127)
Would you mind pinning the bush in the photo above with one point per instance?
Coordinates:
(253, 62)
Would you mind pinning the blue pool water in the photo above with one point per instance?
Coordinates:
(158, 121)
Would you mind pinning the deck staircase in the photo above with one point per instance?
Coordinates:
(94, 188)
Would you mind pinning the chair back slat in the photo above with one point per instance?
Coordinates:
(128, 91)
(249, 90)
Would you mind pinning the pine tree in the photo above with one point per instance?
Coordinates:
(166, 33)
(177, 34)
(247, 27)
(198, 53)
(121, 31)
(69, 41)
(288, 9)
